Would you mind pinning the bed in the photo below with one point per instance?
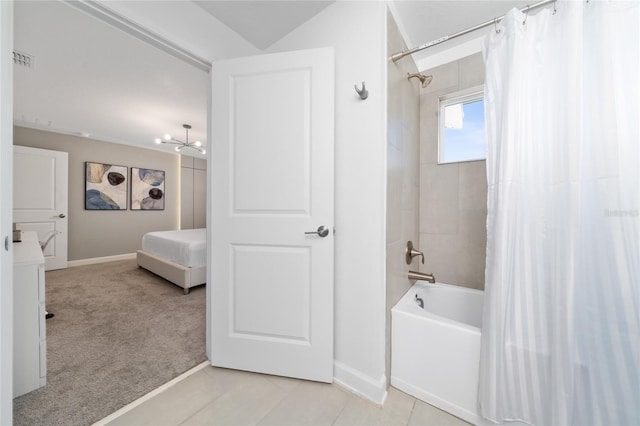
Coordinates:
(177, 256)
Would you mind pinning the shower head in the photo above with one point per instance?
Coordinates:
(424, 79)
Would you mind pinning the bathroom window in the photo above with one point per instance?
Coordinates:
(461, 127)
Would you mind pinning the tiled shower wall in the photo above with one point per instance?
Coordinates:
(403, 139)
(453, 197)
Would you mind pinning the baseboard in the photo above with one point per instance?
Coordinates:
(359, 383)
(151, 394)
(105, 259)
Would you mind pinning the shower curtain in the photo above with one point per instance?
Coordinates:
(561, 330)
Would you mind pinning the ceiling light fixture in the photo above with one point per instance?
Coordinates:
(171, 140)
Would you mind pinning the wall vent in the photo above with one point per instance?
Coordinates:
(23, 59)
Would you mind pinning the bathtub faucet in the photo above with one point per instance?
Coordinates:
(413, 275)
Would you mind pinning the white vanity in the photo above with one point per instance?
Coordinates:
(29, 339)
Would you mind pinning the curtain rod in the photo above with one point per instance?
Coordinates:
(397, 56)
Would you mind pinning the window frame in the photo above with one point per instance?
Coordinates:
(471, 94)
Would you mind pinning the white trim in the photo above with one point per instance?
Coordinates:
(119, 21)
(465, 95)
(6, 213)
(359, 383)
(454, 53)
(151, 394)
(391, 6)
(105, 259)
(95, 137)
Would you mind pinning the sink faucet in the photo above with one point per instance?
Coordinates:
(413, 275)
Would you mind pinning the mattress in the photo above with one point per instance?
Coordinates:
(187, 247)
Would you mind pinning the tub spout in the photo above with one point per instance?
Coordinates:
(413, 275)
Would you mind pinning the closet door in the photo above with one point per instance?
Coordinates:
(40, 198)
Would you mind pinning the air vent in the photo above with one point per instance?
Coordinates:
(23, 59)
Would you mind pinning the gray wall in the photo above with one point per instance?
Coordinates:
(453, 197)
(403, 144)
(98, 233)
(193, 183)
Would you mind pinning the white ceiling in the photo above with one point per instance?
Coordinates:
(427, 20)
(90, 77)
(263, 22)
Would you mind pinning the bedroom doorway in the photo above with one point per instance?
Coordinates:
(73, 192)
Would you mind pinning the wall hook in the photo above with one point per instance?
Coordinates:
(364, 93)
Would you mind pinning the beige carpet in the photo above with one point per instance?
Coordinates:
(118, 332)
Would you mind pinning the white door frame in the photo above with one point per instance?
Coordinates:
(6, 212)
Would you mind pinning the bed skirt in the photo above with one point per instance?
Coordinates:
(182, 276)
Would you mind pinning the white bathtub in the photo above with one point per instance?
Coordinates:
(435, 351)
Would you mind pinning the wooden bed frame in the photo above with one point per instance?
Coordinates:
(181, 276)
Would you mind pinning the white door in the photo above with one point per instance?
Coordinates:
(271, 178)
(40, 199)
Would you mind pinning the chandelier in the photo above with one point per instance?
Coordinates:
(197, 145)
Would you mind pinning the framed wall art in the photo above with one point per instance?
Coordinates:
(105, 186)
(147, 189)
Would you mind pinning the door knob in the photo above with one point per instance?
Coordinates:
(322, 231)
(62, 216)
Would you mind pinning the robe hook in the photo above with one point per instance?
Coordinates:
(364, 93)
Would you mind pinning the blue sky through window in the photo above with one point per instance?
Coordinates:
(466, 143)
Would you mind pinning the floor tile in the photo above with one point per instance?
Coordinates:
(175, 404)
(396, 411)
(428, 415)
(309, 403)
(246, 402)
(287, 384)
(229, 378)
(218, 396)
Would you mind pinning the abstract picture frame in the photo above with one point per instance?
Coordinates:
(147, 189)
(105, 186)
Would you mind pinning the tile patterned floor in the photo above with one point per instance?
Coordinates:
(215, 396)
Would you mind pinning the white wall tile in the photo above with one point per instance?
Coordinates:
(471, 71)
(473, 186)
(452, 196)
(445, 77)
(439, 198)
(442, 256)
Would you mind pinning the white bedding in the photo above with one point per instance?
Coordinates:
(187, 247)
